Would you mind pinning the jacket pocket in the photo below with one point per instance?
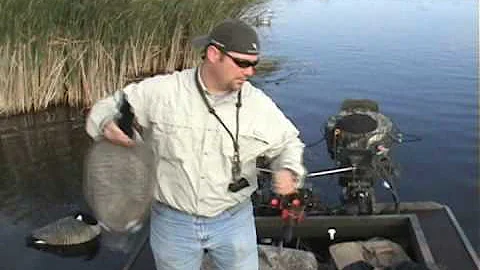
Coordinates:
(251, 145)
(170, 140)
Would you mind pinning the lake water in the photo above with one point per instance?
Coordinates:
(417, 59)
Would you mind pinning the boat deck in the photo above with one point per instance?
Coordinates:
(428, 232)
(438, 239)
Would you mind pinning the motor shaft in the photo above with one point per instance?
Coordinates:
(331, 171)
(320, 173)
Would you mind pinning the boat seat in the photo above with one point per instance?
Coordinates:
(377, 252)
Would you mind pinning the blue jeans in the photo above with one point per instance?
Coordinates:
(179, 240)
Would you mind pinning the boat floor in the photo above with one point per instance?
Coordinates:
(445, 242)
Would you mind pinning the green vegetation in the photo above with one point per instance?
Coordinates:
(77, 51)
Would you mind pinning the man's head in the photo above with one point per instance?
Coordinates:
(231, 53)
(232, 36)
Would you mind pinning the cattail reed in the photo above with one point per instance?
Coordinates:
(56, 52)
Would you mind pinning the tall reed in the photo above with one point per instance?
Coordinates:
(77, 51)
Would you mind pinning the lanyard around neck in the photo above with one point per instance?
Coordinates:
(236, 148)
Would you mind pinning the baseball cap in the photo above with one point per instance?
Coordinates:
(232, 35)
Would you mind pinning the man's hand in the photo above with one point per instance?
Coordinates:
(284, 182)
(115, 135)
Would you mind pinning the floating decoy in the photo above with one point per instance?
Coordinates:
(68, 231)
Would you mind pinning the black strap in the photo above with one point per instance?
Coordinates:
(125, 123)
(236, 169)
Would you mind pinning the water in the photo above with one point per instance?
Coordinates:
(418, 59)
(40, 182)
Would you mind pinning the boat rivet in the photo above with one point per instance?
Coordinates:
(332, 232)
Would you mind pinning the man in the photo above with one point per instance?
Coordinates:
(206, 127)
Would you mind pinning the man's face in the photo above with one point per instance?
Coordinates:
(236, 68)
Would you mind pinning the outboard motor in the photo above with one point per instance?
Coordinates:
(360, 136)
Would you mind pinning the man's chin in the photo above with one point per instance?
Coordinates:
(237, 85)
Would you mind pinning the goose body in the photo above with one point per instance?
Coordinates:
(67, 231)
(117, 185)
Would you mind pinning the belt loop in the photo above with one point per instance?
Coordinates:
(233, 210)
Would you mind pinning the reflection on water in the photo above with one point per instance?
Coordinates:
(88, 250)
(40, 160)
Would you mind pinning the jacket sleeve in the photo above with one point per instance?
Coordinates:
(286, 151)
(108, 109)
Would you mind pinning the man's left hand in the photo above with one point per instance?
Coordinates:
(284, 182)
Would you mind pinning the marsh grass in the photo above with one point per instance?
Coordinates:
(75, 52)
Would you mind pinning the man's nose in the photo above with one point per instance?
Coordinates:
(249, 71)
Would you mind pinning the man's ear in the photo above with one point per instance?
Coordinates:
(212, 54)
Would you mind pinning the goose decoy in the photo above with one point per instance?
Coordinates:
(117, 183)
(68, 231)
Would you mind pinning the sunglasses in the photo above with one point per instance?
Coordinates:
(241, 63)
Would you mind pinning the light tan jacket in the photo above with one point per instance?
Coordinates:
(192, 152)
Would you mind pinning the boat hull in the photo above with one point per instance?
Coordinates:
(428, 232)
